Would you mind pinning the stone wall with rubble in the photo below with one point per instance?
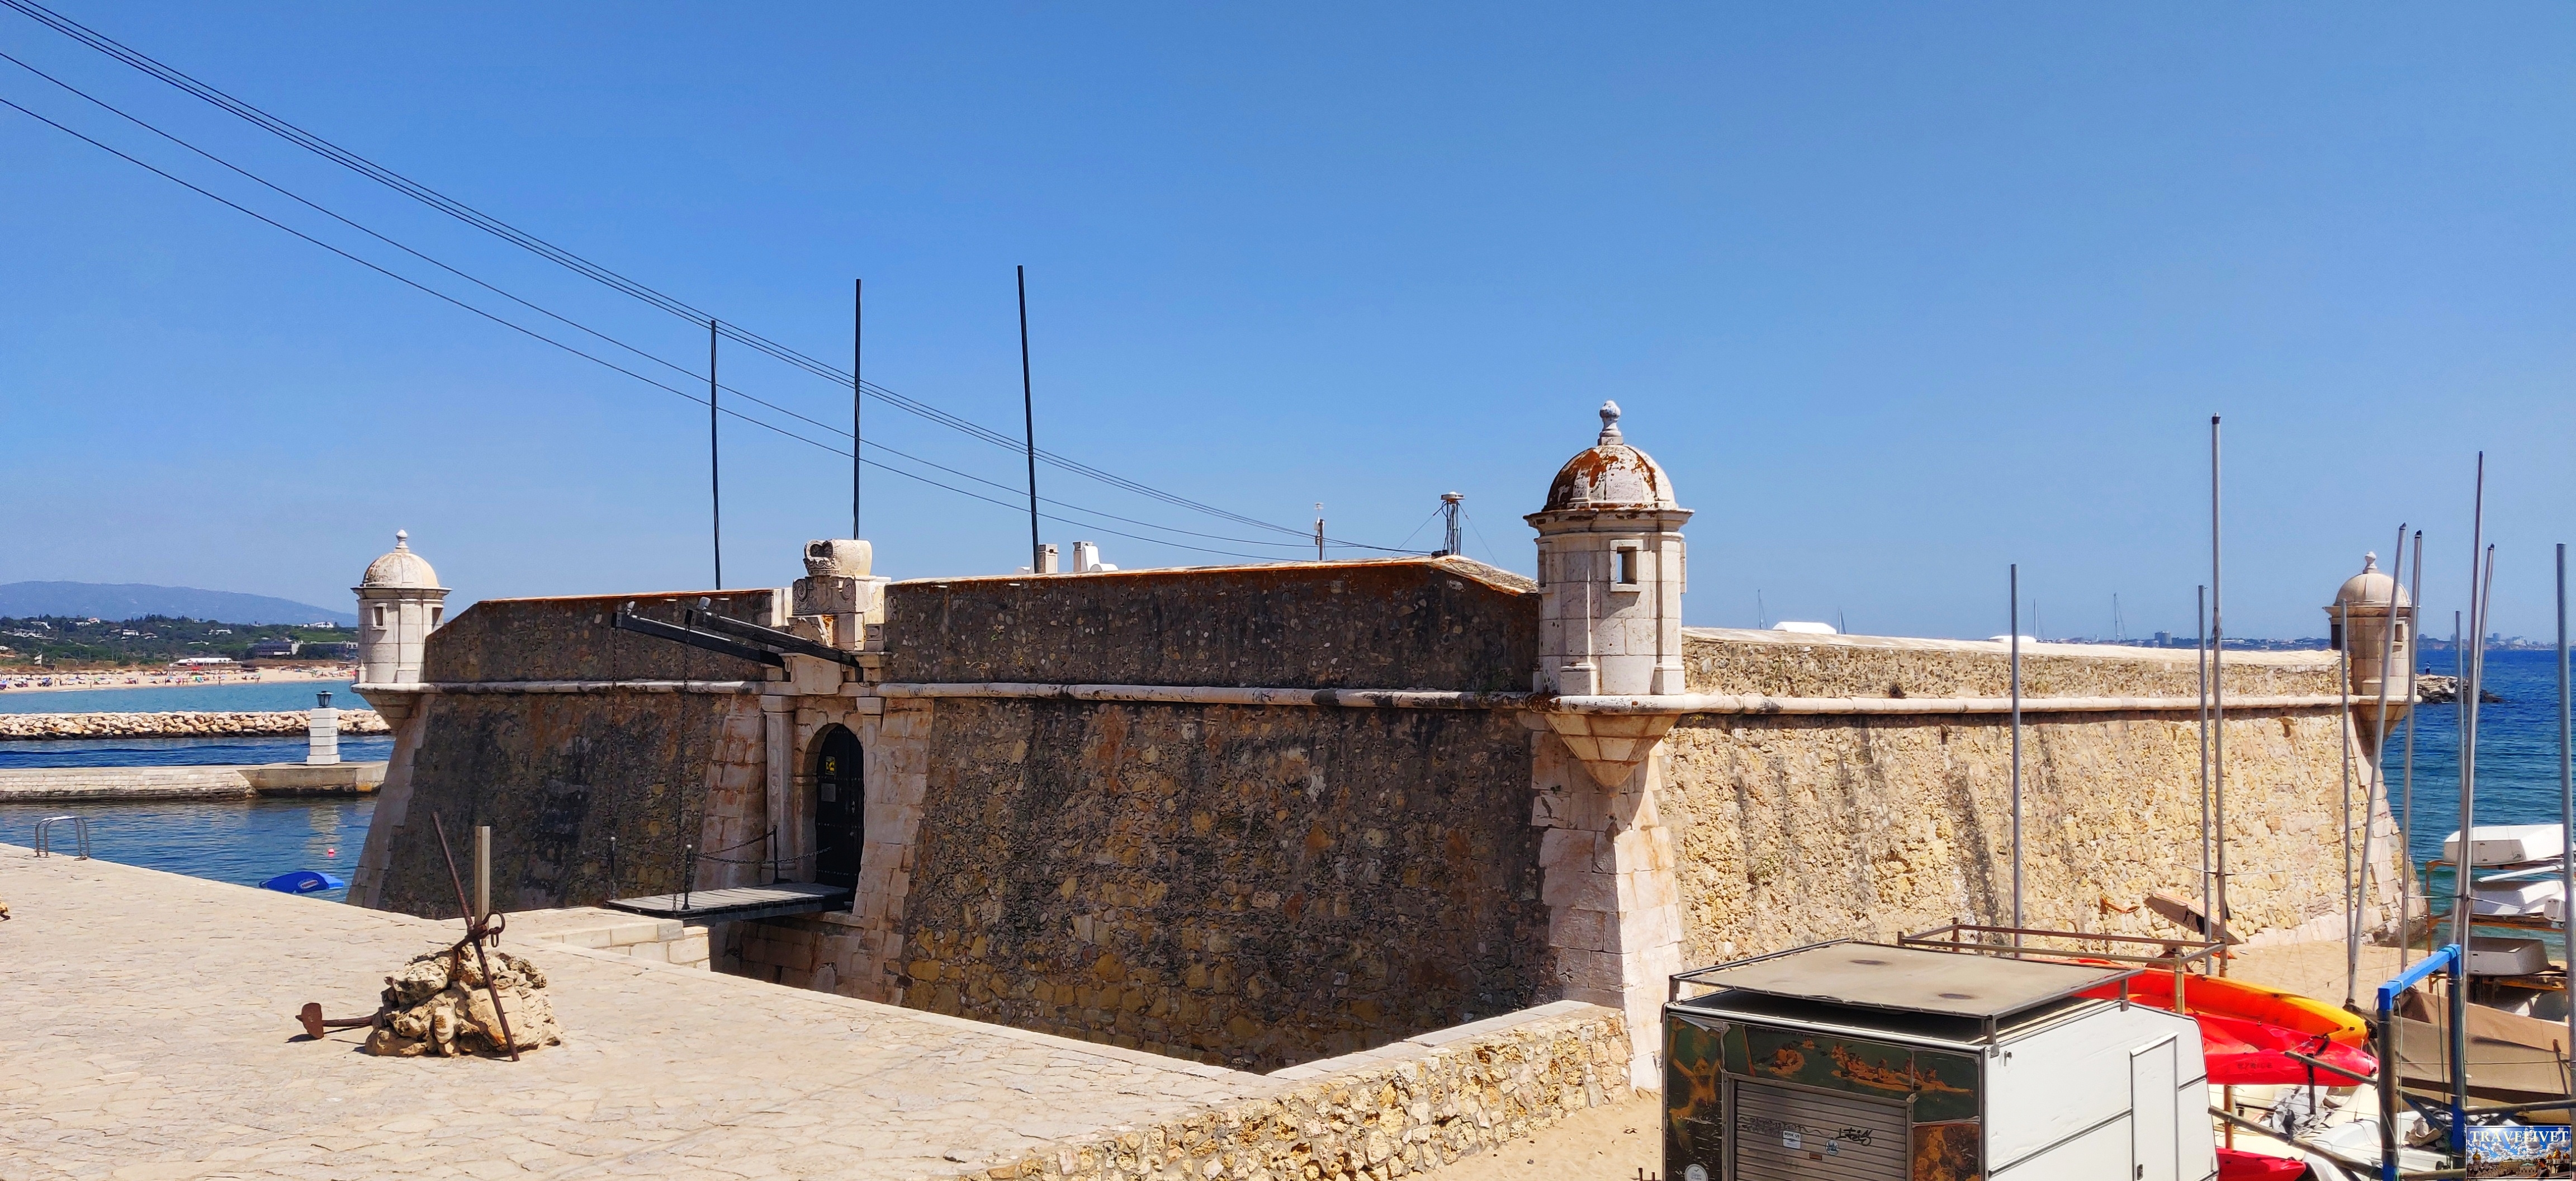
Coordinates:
(1251, 887)
(1240, 885)
(557, 775)
(1793, 828)
(1404, 1109)
(1401, 623)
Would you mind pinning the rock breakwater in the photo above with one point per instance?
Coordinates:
(188, 724)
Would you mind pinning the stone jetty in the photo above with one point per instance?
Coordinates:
(186, 724)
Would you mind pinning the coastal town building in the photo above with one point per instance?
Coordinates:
(1263, 815)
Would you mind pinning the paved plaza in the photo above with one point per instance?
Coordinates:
(147, 1030)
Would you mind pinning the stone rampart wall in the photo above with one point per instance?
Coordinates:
(183, 724)
(1786, 664)
(1250, 887)
(1243, 886)
(1790, 829)
(570, 639)
(556, 776)
(1404, 1109)
(1415, 623)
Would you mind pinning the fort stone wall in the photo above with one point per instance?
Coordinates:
(1797, 827)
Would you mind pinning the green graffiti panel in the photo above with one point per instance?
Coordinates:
(1945, 1087)
(1694, 1114)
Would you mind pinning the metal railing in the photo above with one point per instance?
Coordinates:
(80, 835)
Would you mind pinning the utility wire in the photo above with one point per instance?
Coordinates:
(605, 276)
(568, 321)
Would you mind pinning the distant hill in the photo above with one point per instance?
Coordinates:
(134, 600)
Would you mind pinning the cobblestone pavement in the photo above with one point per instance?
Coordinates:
(147, 1030)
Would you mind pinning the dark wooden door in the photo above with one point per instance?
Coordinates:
(840, 803)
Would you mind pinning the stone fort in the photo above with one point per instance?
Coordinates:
(1263, 815)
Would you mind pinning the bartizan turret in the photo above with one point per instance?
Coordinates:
(1610, 565)
(1611, 574)
(399, 604)
(2373, 602)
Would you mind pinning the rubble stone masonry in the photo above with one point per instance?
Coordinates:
(1794, 828)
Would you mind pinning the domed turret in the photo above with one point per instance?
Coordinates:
(399, 603)
(1610, 563)
(2371, 602)
(401, 568)
(1610, 475)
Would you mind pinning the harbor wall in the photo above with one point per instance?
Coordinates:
(180, 724)
(1793, 828)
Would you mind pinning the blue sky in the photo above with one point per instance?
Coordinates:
(1898, 294)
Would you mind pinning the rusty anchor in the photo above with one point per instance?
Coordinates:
(315, 1023)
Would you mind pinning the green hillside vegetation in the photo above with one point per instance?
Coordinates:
(155, 640)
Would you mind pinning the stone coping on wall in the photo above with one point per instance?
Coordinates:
(1410, 1107)
(1746, 635)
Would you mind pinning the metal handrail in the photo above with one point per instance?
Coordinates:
(80, 835)
(1948, 939)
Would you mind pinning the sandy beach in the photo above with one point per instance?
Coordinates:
(165, 679)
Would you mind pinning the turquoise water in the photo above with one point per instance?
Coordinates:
(277, 695)
(244, 842)
(2517, 753)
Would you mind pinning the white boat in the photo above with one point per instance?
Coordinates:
(2544, 898)
(2509, 844)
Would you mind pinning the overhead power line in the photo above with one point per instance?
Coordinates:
(581, 353)
(612, 279)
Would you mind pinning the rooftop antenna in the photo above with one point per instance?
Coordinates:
(858, 336)
(1029, 421)
(2119, 627)
(715, 478)
(1449, 507)
(1761, 615)
(859, 323)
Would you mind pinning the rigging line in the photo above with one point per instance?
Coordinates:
(1490, 552)
(522, 302)
(1408, 538)
(559, 255)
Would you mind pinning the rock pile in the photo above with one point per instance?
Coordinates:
(437, 1005)
(178, 724)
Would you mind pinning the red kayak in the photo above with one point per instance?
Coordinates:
(2242, 1052)
(2238, 1165)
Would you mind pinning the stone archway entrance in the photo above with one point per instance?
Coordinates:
(840, 803)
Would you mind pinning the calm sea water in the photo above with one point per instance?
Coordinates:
(244, 842)
(267, 695)
(2517, 753)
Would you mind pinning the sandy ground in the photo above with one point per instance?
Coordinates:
(1619, 1143)
(80, 682)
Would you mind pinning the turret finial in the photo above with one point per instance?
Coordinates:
(2369, 561)
(402, 539)
(1609, 424)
